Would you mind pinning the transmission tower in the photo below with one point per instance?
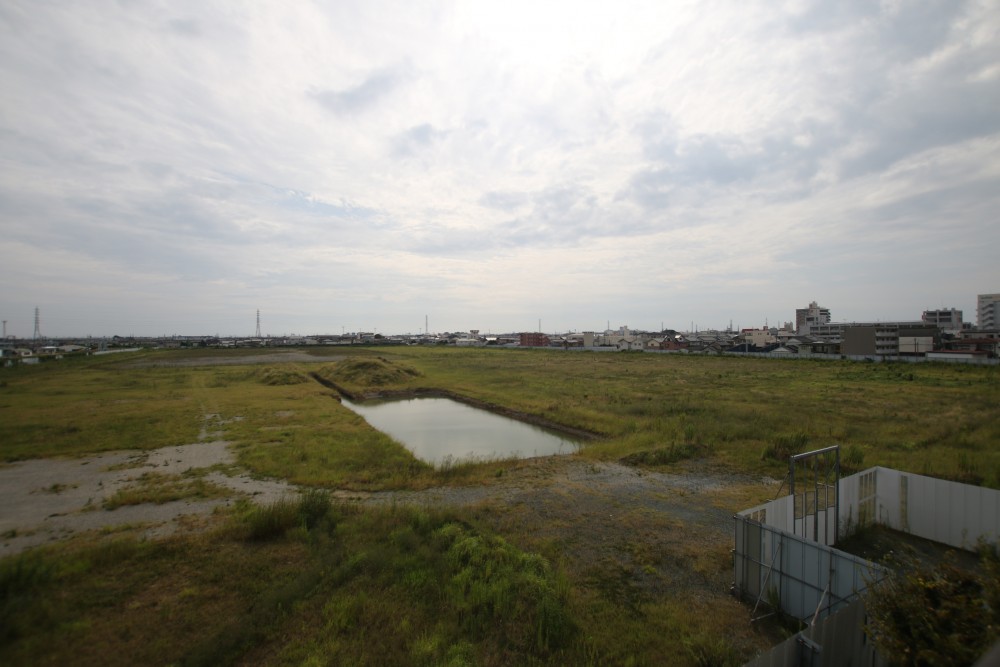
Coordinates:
(257, 335)
(38, 327)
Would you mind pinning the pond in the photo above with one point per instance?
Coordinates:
(438, 430)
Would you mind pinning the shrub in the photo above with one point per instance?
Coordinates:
(493, 581)
(936, 615)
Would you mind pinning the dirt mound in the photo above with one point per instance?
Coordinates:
(280, 376)
(377, 372)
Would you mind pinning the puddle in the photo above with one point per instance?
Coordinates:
(439, 430)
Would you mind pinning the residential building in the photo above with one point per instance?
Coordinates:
(534, 339)
(988, 311)
(889, 338)
(984, 345)
(813, 315)
(949, 319)
(758, 338)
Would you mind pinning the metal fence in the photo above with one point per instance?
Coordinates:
(803, 578)
(839, 639)
(780, 560)
(959, 515)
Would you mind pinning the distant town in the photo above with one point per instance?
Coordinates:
(939, 334)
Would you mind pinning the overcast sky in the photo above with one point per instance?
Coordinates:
(171, 168)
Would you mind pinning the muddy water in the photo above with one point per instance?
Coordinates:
(438, 430)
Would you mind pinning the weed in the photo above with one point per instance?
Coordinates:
(854, 458)
(267, 522)
(784, 446)
(23, 573)
(660, 456)
(314, 507)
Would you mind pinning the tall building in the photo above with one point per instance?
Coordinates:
(949, 319)
(808, 317)
(988, 311)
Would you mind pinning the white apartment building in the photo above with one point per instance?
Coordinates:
(949, 319)
(988, 311)
(812, 316)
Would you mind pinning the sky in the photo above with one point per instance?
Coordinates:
(175, 167)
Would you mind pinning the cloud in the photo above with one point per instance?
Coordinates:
(375, 87)
(345, 163)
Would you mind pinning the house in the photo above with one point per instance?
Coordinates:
(656, 343)
(816, 346)
(628, 343)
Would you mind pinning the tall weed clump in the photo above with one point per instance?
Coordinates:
(272, 521)
(785, 446)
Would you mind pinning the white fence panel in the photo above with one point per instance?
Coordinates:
(811, 578)
(951, 513)
(807, 577)
(838, 640)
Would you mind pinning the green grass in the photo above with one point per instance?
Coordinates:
(333, 586)
(650, 410)
(306, 581)
(920, 418)
(84, 406)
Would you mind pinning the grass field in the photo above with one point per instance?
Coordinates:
(935, 419)
(310, 582)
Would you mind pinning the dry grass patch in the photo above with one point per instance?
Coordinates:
(159, 488)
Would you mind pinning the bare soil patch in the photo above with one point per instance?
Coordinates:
(42, 500)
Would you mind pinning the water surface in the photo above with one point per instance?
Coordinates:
(437, 430)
